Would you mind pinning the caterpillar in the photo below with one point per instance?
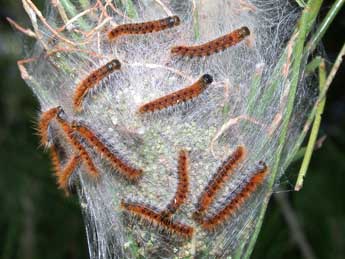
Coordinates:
(183, 95)
(214, 46)
(64, 175)
(217, 181)
(237, 201)
(77, 146)
(92, 81)
(144, 27)
(54, 157)
(44, 122)
(153, 217)
(182, 186)
(129, 172)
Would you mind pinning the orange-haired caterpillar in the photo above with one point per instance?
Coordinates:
(213, 46)
(183, 95)
(54, 157)
(237, 201)
(92, 80)
(217, 181)
(144, 27)
(77, 146)
(182, 185)
(44, 122)
(156, 218)
(121, 166)
(64, 175)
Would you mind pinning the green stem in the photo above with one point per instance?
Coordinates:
(313, 112)
(72, 11)
(301, 3)
(253, 90)
(314, 131)
(196, 24)
(306, 22)
(85, 4)
(324, 25)
(130, 8)
(299, 155)
(313, 65)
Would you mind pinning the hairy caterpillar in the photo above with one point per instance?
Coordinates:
(183, 95)
(234, 203)
(43, 124)
(64, 175)
(121, 166)
(218, 180)
(144, 27)
(77, 146)
(54, 157)
(154, 217)
(182, 185)
(92, 81)
(214, 46)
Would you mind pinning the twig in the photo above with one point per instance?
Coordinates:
(322, 94)
(27, 32)
(108, 3)
(23, 72)
(314, 131)
(61, 10)
(336, 7)
(69, 22)
(98, 27)
(33, 8)
(72, 11)
(227, 125)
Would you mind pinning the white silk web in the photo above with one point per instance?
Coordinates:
(244, 105)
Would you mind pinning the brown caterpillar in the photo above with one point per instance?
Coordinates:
(217, 182)
(144, 27)
(64, 175)
(183, 95)
(54, 157)
(92, 80)
(129, 172)
(155, 218)
(182, 186)
(235, 203)
(78, 147)
(43, 124)
(214, 46)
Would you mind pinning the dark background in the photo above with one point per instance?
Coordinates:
(37, 221)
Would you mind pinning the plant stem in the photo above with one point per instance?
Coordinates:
(314, 131)
(196, 24)
(313, 65)
(322, 94)
(72, 11)
(307, 20)
(130, 8)
(301, 3)
(314, 41)
(85, 4)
